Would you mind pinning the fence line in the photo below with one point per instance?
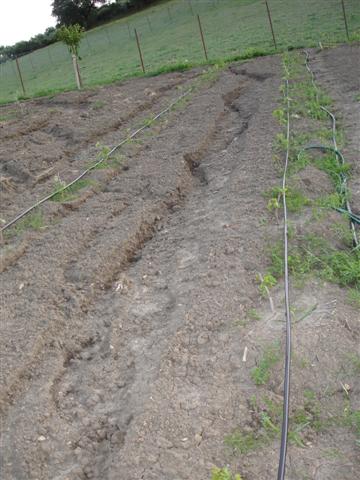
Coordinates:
(51, 70)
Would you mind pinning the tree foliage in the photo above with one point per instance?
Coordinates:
(89, 13)
(71, 36)
(21, 48)
(69, 12)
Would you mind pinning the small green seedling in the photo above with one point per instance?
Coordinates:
(261, 374)
(224, 474)
(103, 150)
(266, 282)
(253, 314)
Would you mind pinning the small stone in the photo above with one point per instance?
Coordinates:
(247, 429)
(41, 438)
(202, 338)
(101, 434)
(86, 421)
(117, 437)
(164, 443)
(86, 355)
(78, 451)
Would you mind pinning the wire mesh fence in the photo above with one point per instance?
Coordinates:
(169, 36)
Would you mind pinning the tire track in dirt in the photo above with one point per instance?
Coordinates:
(30, 164)
(145, 379)
(133, 358)
(54, 212)
(69, 233)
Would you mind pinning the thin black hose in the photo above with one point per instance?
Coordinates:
(336, 151)
(286, 393)
(105, 157)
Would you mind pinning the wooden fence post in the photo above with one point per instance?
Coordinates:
(49, 55)
(345, 19)
(271, 24)
(149, 23)
(190, 6)
(107, 35)
(77, 72)
(139, 48)
(31, 62)
(88, 42)
(20, 75)
(202, 38)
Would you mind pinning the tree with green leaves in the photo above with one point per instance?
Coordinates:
(69, 12)
(72, 36)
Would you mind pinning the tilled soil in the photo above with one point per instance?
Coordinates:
(125, 316)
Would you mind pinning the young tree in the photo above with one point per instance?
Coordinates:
(72, 36)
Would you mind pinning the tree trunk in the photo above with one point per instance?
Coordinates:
(77, 72)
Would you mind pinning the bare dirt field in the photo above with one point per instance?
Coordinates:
(127, 307)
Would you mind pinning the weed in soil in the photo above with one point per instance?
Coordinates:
(294, 198)
(312, 254)
(271, 356)
(68, 194)
(33, 221)
(353, 297)
(114, 161)
(224, 474)
(244, 442)
(354, 360)
(305, 420)
(253, 314)
(98, 105)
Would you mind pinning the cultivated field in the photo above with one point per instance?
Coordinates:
(170, 39)
(142, 332)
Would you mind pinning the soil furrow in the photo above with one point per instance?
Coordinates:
(136, 328)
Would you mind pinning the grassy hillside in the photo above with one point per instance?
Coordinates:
(170, 36)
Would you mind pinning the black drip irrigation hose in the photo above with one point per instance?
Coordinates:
(286, 392)
(353, 219)
(92, 167)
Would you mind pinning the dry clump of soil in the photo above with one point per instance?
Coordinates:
(128, 313)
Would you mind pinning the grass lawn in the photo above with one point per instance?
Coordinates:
(170, 38)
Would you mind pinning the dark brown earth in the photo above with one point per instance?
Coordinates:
(126, 315)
